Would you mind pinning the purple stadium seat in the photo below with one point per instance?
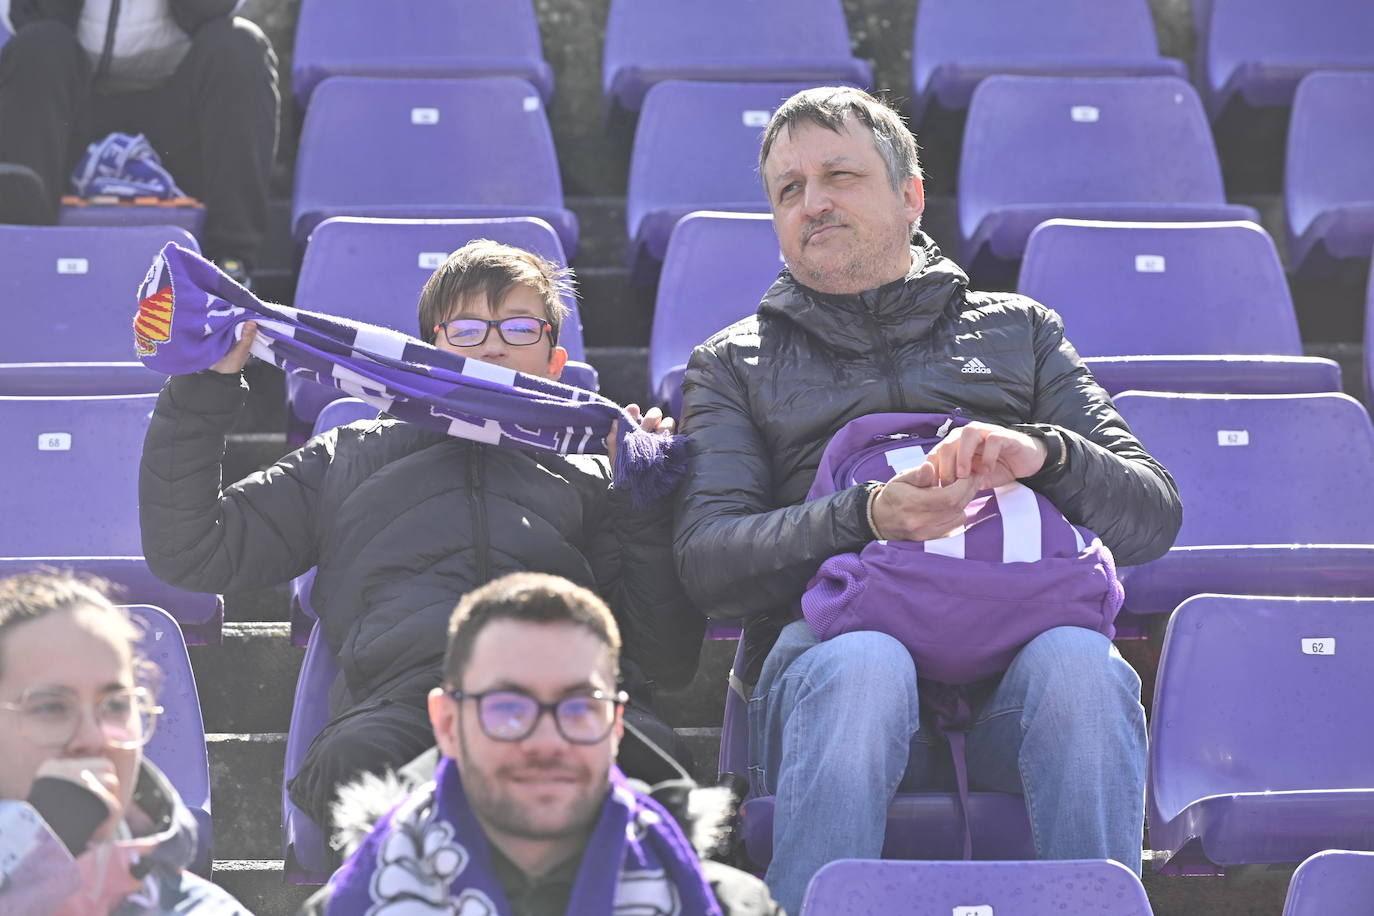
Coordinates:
(1265, 511)
(1329, 178)
(339, 412)
(1262, 48)
(304, 844)
(872, 887)
(760, 41)
(696, 148)
(417, 38)
(71, 296)
(1262, 732)
(71, 495)
(373, 270)
(920, 825)
(178, 742)
(428, 148)
(1334, 881)
(1128, 148)
(1162, 295)
(717, 268)
(958, 43)
(1369, 338)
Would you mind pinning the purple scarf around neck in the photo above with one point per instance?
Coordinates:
(190, 315)
(430, 855)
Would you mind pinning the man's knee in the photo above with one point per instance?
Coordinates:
(867, 678)
(234, 49)
(1076, 669)
(44, 51)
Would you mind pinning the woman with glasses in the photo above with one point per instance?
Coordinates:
(87, 825)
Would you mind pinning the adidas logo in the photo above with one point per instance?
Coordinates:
(975, 367)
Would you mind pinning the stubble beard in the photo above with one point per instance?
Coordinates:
(491, 800)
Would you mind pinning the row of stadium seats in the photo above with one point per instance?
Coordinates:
(1257, 49)
(1037, 148)
(1259, 745)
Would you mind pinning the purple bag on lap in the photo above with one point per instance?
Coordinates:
(963, 605)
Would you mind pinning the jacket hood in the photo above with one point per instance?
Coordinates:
(903, 310)
(703, 813)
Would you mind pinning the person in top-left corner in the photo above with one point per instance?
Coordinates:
(198, 82)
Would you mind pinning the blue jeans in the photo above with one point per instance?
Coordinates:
(835, 731)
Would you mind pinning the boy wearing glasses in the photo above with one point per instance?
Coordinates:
(402, 521)
(527, 814)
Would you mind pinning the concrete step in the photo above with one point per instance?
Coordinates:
(246, 683)
(601, 230)
(615, 312)
(258, 884)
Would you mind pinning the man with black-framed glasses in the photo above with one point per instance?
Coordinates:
(401, 521)
(527, 814)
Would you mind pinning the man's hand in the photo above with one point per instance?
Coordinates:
(993, 454)
(234, 361)
(913, 507)
(652, 422)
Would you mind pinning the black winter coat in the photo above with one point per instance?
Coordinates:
(189, 14)
(763, 397)
(401, 522)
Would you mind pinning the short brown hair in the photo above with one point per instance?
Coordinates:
(829, 106)
(492, 269)
(531, 598)
(32, 596)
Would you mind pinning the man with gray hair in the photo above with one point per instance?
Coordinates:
(868, 317)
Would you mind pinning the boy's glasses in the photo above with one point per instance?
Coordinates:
(472, 332)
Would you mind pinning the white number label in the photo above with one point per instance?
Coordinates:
(1149, 264)
(1321, 645)
(73, 266)
(424, 116)
(531, 103)
(54, 442)
(972, 911)
(1233, 437)
(432, 260)
(754, 117)
(1085, 114)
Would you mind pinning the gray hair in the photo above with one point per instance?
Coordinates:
(829, 106)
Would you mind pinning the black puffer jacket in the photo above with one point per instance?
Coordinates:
(189, 14)
(401, 522)
(763, 397)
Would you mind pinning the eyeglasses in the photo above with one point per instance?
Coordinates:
(509, 715)
(51, 718)
(519, 331)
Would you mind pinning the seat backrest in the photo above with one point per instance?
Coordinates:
(178, 742)
(1283, 37)
(478, 142)
(1045, 139)
(1329, 138)
(373, 269)
(697, 147)
(670, 40)
(1156, 289)
(872, 887)
(1262, 469)
(1262, 694)
(71, 475)
(343, 411)
(717, 269)
(70, 292)
(987, 31)
(362, 37)
(1335, 881)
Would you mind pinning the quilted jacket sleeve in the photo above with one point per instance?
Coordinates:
(631, 554)
(1108, 483)
(738, 552)
(257, 532)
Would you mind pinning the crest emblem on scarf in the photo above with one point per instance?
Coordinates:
(153, 323)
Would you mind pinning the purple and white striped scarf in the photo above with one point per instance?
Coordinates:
(190, 315)
(430, 855)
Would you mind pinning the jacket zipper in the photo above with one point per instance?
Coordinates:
(477, 487)
(886, 361)
(108, 52)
